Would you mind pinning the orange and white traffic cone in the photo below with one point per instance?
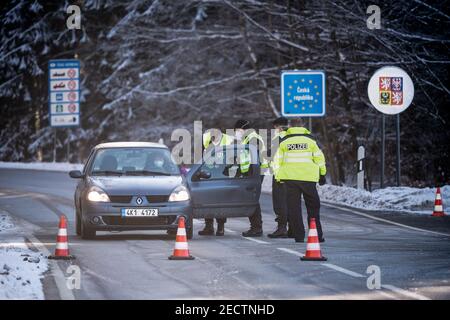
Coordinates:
(181, 251)
(313, 252)
(438, 207)
(62, 246)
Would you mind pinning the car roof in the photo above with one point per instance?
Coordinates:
(130, 145)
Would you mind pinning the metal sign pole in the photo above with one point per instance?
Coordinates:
(68, 146)
(383, 145)
(398, 149)
(54, 146)
(310, 124)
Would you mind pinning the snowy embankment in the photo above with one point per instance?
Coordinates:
(400, 199)
(21, 268)
(45, 166)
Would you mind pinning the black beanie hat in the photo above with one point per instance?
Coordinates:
(280, 121)
(242, 124)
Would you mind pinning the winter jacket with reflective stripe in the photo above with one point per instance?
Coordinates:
(275, 162)
(300, 157)
(246, 158)
(225, 140)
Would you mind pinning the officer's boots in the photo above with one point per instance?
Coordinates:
(220, 229)
(253, 232)
(209, 228)
(281, 232)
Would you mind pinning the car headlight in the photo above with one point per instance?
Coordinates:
(179, 194)
(96, 194)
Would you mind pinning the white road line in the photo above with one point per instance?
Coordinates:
(291, 251)
(57, 273)
(229, 230)
(358, 275)
(387, 221)
(343, 270)
(387, 295)
(405, 292)
(256, 240)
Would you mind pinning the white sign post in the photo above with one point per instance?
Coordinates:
(391, 92)
(360, 175)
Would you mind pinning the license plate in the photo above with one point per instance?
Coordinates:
(139, 212)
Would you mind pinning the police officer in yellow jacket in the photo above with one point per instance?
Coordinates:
(210, 140)
(250, 137)
(280, 126)
(302, 165)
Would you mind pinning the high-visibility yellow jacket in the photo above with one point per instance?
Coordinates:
(226, 139)
(300, 157)
(275, 162)
(245, 155)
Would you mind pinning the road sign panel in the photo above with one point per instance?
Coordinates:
(64, 73)
(63, 85)
(390, 90)
(64, 93)
(65, 120)
(65, 107)
(303, 93)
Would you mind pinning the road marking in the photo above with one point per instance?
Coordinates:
(343, 270)
(229, 230)
(358, 275)
(256, 240)
(291, 251)
(387, 295)
(386, 221)
(60, 280)
(92, 273)
(405, 292)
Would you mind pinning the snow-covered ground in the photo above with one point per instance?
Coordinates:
(21, 269)
(401, 199)
(48, 166)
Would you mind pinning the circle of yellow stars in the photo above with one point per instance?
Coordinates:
(303, 107)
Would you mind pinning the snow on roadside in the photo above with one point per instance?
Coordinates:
(47, 166)
(21, 269)
(399, 199)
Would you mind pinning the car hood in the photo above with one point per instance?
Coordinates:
(131, 185)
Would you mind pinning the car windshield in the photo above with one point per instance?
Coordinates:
(134, 162)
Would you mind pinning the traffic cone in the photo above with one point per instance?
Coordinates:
(181, 251)
(62, 246)
(438, 207)
(313, 252)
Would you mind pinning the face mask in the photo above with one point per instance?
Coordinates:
(239, 135)
(159, 163)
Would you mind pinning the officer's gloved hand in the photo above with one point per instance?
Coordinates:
(322, 180)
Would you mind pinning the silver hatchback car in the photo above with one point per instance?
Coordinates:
(138, 186)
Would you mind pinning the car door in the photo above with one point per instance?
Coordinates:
(221, 189)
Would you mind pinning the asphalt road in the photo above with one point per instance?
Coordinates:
(134, 265)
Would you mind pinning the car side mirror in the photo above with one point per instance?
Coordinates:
(76, 174)
(202, 174)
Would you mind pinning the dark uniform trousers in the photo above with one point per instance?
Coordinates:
(210, 221)
(279, 203)
(256, 218)
(294, 191)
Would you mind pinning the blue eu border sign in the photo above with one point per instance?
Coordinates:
(64, 93)
(303, 93)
